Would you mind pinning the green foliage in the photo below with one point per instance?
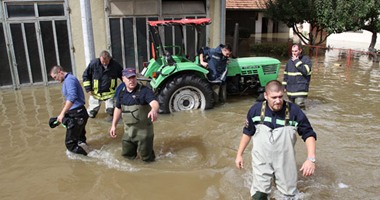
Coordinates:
(350, 15)
(297, 12)
(340, 15)
(370, 20)
(326, 16)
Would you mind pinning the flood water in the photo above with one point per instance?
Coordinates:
(196, 150)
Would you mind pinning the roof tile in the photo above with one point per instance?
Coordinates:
(246, 4)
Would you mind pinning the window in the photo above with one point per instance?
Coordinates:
(21, 10)
(5, 72)
(51, 10)
(40, 38)
(28, 10)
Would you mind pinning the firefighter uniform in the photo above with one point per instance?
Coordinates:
(273, 153)
(297, 76)
(102, 81)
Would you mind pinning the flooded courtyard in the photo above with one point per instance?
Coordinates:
(195, 150)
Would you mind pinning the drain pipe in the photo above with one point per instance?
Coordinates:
(88, 35)
(223, 21)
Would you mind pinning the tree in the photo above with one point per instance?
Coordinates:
(371, 21)
(325, 16)
(297, 12)
(351, 15)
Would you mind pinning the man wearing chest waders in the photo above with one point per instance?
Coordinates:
(272, 125)
(139, 109)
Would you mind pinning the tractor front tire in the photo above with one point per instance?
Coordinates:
(186, 92)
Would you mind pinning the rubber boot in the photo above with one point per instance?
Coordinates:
(260, 196)
(300, 101)
(216, 89)
(109, 111)
(92, 114)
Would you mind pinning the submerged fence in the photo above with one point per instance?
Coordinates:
(347, 53)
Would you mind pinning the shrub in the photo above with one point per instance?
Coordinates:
(270, 49)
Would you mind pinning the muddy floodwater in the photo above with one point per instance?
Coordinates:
(195, 150)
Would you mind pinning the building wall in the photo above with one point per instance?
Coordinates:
(359, 40)
(56, 46)
(75, 48)
(100, 29)
(258, 24)
(283, 28)
(99, 32)
(214, 28)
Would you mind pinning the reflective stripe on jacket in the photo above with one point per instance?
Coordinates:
(297, 76)
(102, 82)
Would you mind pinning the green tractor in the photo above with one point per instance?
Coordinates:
(182, 84)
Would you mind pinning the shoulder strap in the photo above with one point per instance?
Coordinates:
(121, 94)
(287, 111)
(262, 113)
(139, 86)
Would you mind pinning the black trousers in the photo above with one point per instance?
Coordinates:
(76, 132)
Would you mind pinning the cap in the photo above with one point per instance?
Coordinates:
(53, 122)
(129, 72)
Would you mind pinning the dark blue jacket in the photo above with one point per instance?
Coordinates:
(216, 61)
(297, 118)
(141, 95)
(102, 81)
(297, 75)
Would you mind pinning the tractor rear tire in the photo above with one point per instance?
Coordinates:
(186, 92)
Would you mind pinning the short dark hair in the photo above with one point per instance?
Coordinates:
(274, 86)
(228, 47)
(105, 54)
(298, 45)
(55, 69)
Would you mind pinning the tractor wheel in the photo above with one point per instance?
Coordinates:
(186, 92)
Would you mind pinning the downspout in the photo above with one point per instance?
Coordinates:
(88, 35)
(222, 21)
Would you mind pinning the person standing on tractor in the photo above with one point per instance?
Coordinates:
(215, 60)
(100, 81)
(297, 76)
(138, 107)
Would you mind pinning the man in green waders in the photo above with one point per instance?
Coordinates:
(139, 109)
(273, 126)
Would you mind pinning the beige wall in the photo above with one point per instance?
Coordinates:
(99, 31)
(214, 28)
(99, 26)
